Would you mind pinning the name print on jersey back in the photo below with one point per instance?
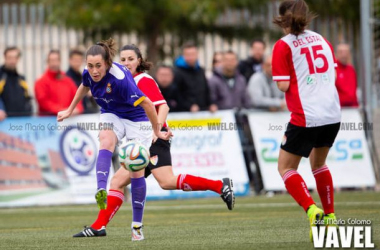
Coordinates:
(306, 40)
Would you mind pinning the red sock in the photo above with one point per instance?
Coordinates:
(297, 188)
(325, 188)
(115, 199)
(188, 182)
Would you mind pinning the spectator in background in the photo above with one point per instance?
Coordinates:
(263, 90)
(216, 60)
(164, 78)
(253, 63)
(190, 80)
(228, 87)
(14, 94)
(54, 90)
(76, 60)
(346, 82)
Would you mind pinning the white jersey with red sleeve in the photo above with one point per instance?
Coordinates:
(308, 63)
(149, 87)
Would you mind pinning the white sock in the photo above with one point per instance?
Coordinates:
(137, 224)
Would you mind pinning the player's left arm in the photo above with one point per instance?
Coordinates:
(283, 85)
(150, 112)
(162, 114)
(281, 69)
(136, 97)
(149, 87)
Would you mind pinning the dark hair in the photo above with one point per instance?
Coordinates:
(165, 66)
(294, 14)
(105, 48)
(144, 64)
(258, 40)
(10, 49)
(75, 52)
(188, 45)
(54, 51)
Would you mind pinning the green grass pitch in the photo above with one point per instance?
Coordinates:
(255, 223)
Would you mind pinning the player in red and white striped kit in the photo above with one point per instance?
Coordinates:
(304, 68)
(160, 164)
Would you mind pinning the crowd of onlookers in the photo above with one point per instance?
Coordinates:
(233, 84)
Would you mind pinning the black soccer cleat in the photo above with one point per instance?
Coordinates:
(228, 193)
(90, 232)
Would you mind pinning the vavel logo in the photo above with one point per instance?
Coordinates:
(343, 237)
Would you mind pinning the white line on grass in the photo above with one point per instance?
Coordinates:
(178, 207)
(251, 205)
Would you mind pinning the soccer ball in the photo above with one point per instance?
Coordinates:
(133, 156)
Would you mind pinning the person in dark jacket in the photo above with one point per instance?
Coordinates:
(227, 86)
(164, 78)
(76, 60)
(190, 79)
(14, 93)
(253, 63)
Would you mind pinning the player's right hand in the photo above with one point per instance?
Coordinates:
(62, 115)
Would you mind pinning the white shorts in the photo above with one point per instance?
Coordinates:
(128, 130)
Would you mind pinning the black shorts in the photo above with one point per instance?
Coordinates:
(159, 156)
(301, 140)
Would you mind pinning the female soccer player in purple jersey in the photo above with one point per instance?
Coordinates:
(161, 164)
(123, 105)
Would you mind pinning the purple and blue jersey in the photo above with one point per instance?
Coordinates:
(117, 93)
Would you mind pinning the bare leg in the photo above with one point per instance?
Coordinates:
(318, 157)
(287, 161)
(165, 177)
(120, 180)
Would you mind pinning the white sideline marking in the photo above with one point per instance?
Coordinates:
(177, 207)
(252, 205)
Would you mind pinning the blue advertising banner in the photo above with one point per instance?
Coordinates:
(43, 162)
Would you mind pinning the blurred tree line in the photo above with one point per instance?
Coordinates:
(184, 19)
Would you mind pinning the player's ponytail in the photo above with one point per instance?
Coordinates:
(105, 48)
(144, 64)
(294, 15)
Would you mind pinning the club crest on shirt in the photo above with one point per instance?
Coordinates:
(311, 79)
(154, 160)
(108, 89)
